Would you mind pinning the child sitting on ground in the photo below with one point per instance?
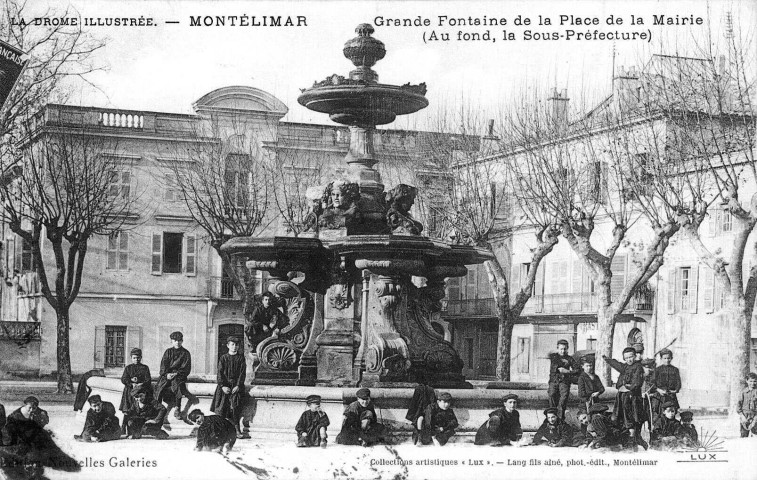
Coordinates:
(311, 428)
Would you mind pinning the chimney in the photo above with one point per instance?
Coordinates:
(625, 88)
(490, 140)
(559, 101)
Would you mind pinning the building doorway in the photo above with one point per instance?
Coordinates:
(223, 333)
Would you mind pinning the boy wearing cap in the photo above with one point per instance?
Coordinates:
(101, 423)
(589, 384)
(747, 406)
(145, 418)
(666, 428)
(438, 422)
(136, 378)
(601, 427)
(214, 432)
(311, 427)
(562, 367)
(553, 432)
(174, 370)
(629, 407)
(689, 434)
(360, 426)
(503, 425)
(26, 421)
(667, 381)
(229, 395)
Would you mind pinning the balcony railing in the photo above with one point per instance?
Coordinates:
(477, 306)
(20, 330)
(222, 288)
(567, 303)
(546, 305)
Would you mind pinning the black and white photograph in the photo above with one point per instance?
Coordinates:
(378, 240)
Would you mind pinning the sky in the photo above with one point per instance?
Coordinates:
(166, 67)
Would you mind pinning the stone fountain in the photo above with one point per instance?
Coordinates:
(352, 310)
(355, 316)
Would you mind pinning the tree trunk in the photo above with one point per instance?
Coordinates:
(504, 340)
(606, 327)
(740, 346)
(65, 384)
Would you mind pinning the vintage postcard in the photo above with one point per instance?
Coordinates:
(378, 239)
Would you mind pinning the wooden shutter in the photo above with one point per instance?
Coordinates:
(539, 288)
(671, 286)
(157, 253)
(190, 255)
(618, 269)
(708, 289)
(112, 250)
(693, 280)
(515, 281)
(123, 251)
(470, 283)
(99, 351)
(483, 287)
(453, 288)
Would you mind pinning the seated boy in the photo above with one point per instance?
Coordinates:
(311, 427)
(175, 367)
(101, 424)
(215, 432)
(589, 384)
(360, 425)
(553, 432)
(666, 429)
(145, 418)
(689, 435)
(602, 429)
(438, 422)
(24, 424)
(503, 426)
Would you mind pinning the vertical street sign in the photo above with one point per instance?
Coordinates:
(12, 62)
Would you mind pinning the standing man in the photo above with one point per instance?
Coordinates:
(174, 370)
(228, 400)
(561, 369)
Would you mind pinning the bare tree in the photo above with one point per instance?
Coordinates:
(56, 54)
(707, 98)
(587, 175)
(221, 175)
(63, 194)
(477, 211)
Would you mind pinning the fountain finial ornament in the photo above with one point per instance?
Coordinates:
(364, 51)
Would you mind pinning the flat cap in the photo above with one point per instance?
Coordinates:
(666, 351)
(669, 405)
(313, 399)
(363, 393)
(94, 399)
(629, 349)
(509, 396)
(232, 338)
(563, 342)
(445, 396)
(177, 336)
(687, 416)
(551, 410)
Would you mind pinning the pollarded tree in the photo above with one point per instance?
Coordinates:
(61, 194)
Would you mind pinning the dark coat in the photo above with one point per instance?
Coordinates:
(667, 377)
(423, 396)
(261, 319)
(502, 427)
(560, 434)
(311, 423)
(605, 432)
(83, 390)
(555, 362)
(103, 424)
(215, 432)
(352, 432)
(232, 370)
(587, 386)
(175, 360)
(438, 423)
(136, 416)
(144, 384)
(629, 406)
(664, 427)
